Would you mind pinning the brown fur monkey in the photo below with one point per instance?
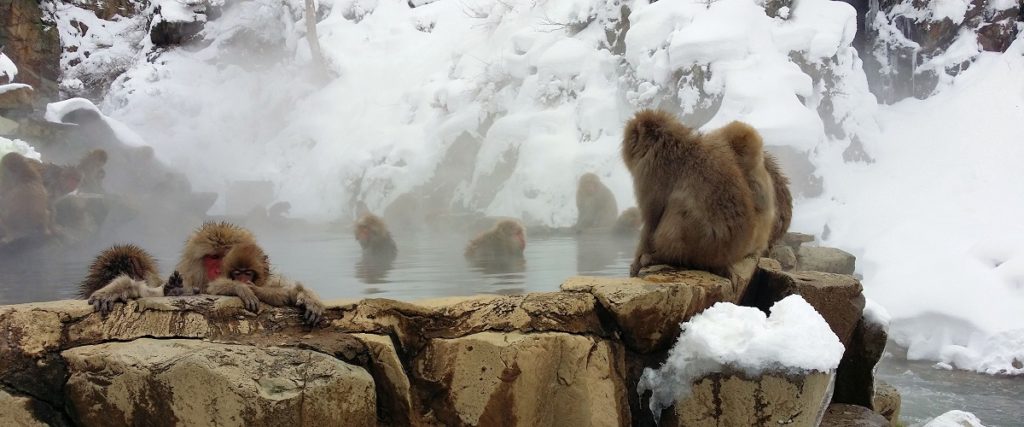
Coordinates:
(199, 264)
(595, 204)
(783, 198)
(24, 201)
(374, 237)
(507, 239)
(629, 222)
(91, 167)
(126, 265)
(247, 275)
(695, 203)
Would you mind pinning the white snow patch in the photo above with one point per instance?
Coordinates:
(18, 146)
(55, 112)
(955, 419)
(794, 338)
(876, 314)
(7, 68)
(12, 87)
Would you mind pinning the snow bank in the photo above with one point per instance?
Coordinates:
(935, 220)
(18, 146)
(955, 419)
(726, 336)
(7, 68)
(55, 112)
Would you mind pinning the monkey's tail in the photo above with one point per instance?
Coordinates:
(117, 260)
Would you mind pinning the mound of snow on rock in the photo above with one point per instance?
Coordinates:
(794, 338)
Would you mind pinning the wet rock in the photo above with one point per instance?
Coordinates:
(733, 399)
(785, 256)
(394, 392)
(649, 310)
(25, 411)
(32, 42)
(855, 376)
(16, 97)
(173, 382)
(795, 240)
(887, 402)
(503, 379)
(828, 260)
(842, 415)
(838, 298)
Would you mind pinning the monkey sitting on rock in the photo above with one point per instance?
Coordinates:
(595, 204)
(706, 200)
(218, 259)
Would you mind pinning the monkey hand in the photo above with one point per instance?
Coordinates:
(103, 299)
(248, 297)
(175, 285)
(641, 261)
(313, 308)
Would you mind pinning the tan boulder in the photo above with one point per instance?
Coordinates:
(189, 382)
(648, 310)
(887, 402)
(26, 411)
(541, 379)
(772, 399)
(843, 415)
(828, 260)
(394, 392)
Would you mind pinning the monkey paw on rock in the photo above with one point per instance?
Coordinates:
(313, 309)
(248, 297)
(103, 300)
(641, 261)
(175, 286)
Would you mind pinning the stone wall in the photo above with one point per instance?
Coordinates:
(571, 357)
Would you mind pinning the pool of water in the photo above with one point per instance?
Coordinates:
(431, 265)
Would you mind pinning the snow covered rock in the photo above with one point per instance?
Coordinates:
(734, 365)
(173, 382)
(843, 415)
(838, 298)
(15, 98)
(30, 42)
(955, 419)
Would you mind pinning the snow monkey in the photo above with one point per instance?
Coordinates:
(595, 204)
(628, 223)
(24, 202)
(199, 267)
(375, 238)
(783, 198)
(247, 275)
(506, 240)
(694, 192)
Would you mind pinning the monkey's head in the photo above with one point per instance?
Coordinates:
(62, 179)
(368, 228)
(631, 217)
(91, 168)
(208, 245)
(589, 183)
(511, 230)
(648, 133)
(248, 263)
(15, 168)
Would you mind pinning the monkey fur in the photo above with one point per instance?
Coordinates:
(507, 239)
(247, 275)
(783, 198)
(24, 202)
(127, 260)
(374, 238)
(694, 192)
(595, 204)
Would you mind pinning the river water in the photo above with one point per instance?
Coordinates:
(431, 265)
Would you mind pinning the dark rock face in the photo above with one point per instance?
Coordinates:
(855, 383)
(31, 40)
(894, 46)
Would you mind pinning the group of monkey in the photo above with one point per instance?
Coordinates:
(705, 201)
(33, 194)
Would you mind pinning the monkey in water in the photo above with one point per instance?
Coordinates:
(694, 193)
(595, 204)
(25, 208)
(628, 223)
(506, 240)
(374, 238)
(200, 265)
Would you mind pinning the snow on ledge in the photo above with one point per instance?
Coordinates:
(794, 338)
(12, 87)
(18, 146)
(55, 112)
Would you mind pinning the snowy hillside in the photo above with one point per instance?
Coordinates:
(498, 107)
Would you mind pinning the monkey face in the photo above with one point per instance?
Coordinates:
(212, 265)
(246, 275)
